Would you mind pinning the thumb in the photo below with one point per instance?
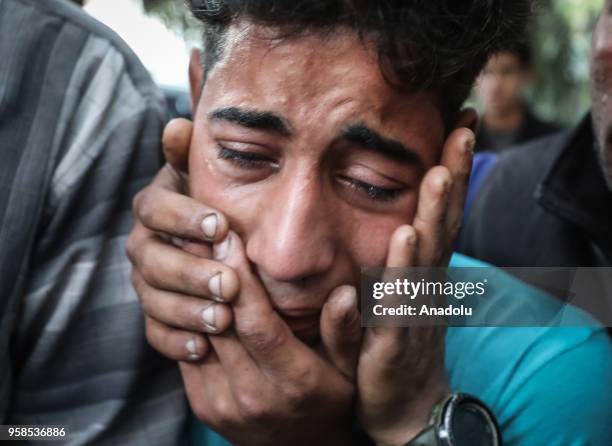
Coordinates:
(176, 142)
(341, 330)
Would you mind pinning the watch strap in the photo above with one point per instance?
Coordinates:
(427, 437)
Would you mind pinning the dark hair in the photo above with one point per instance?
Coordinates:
(522, 51)
(422, 44)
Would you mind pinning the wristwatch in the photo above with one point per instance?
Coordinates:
(459, 420)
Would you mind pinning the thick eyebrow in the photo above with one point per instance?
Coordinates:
(253, 119)
(372, 140)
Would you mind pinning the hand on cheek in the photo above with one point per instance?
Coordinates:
(262, 385)
(400, 371)
(183, 292)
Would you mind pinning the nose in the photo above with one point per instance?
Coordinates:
(293, 239)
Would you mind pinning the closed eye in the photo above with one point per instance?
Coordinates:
(247, 160)
(373, 192)
(253, 161)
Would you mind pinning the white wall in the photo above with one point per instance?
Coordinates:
(162, 51)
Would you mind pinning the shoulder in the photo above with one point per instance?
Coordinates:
(520, 169)
(535, 127)
(505, 199)
(545, 385)
(80, 106)
(61, 20)
(98, 104)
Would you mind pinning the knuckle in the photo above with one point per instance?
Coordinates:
(396, 350)
(148, 267)
(143, 209)
(253, 407)
(191, 275)
(137, 201)
(130, 248)
(139, 287)
(304, 386)
(223, 410)
(148, 271)
(260, 338)
(181, 314)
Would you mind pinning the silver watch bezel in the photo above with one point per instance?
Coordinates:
(454, 401)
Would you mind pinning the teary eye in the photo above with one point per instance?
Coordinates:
(373, 192)
(243, 159)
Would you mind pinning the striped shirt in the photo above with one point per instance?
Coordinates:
(80, 125)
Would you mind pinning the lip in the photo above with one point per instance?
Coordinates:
(299, 312)
(300, 323)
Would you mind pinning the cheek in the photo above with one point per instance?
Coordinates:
(211, 187)
(601, 62)
(601, 82)
(368, 237)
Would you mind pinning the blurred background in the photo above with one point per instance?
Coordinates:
(161, 33)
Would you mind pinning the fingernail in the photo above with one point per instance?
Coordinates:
(214, 286)
(443, 183)
(347, 298)
(208, 316)
(410, 237)
(470, 143)
(209, 225)
(220, 250)
(346, 304)
(191, 347)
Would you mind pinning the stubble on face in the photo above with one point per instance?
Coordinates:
(307, 229)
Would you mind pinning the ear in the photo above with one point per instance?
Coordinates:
(467, 117)
(196, 78)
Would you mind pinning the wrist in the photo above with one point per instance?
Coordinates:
(459, 419)
(412, 421)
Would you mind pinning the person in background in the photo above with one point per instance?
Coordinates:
(80, 127)
(507, 119)
(549, 202)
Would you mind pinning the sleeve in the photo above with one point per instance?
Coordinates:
(81, 123)
(566, 401)
(32, 83)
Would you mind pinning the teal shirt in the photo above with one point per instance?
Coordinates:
(546, 385)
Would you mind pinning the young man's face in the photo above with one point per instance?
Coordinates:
(501, 84)
(313, 157)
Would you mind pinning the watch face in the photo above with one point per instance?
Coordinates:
(472, 426)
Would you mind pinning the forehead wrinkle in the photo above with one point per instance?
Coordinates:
(311, 81)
